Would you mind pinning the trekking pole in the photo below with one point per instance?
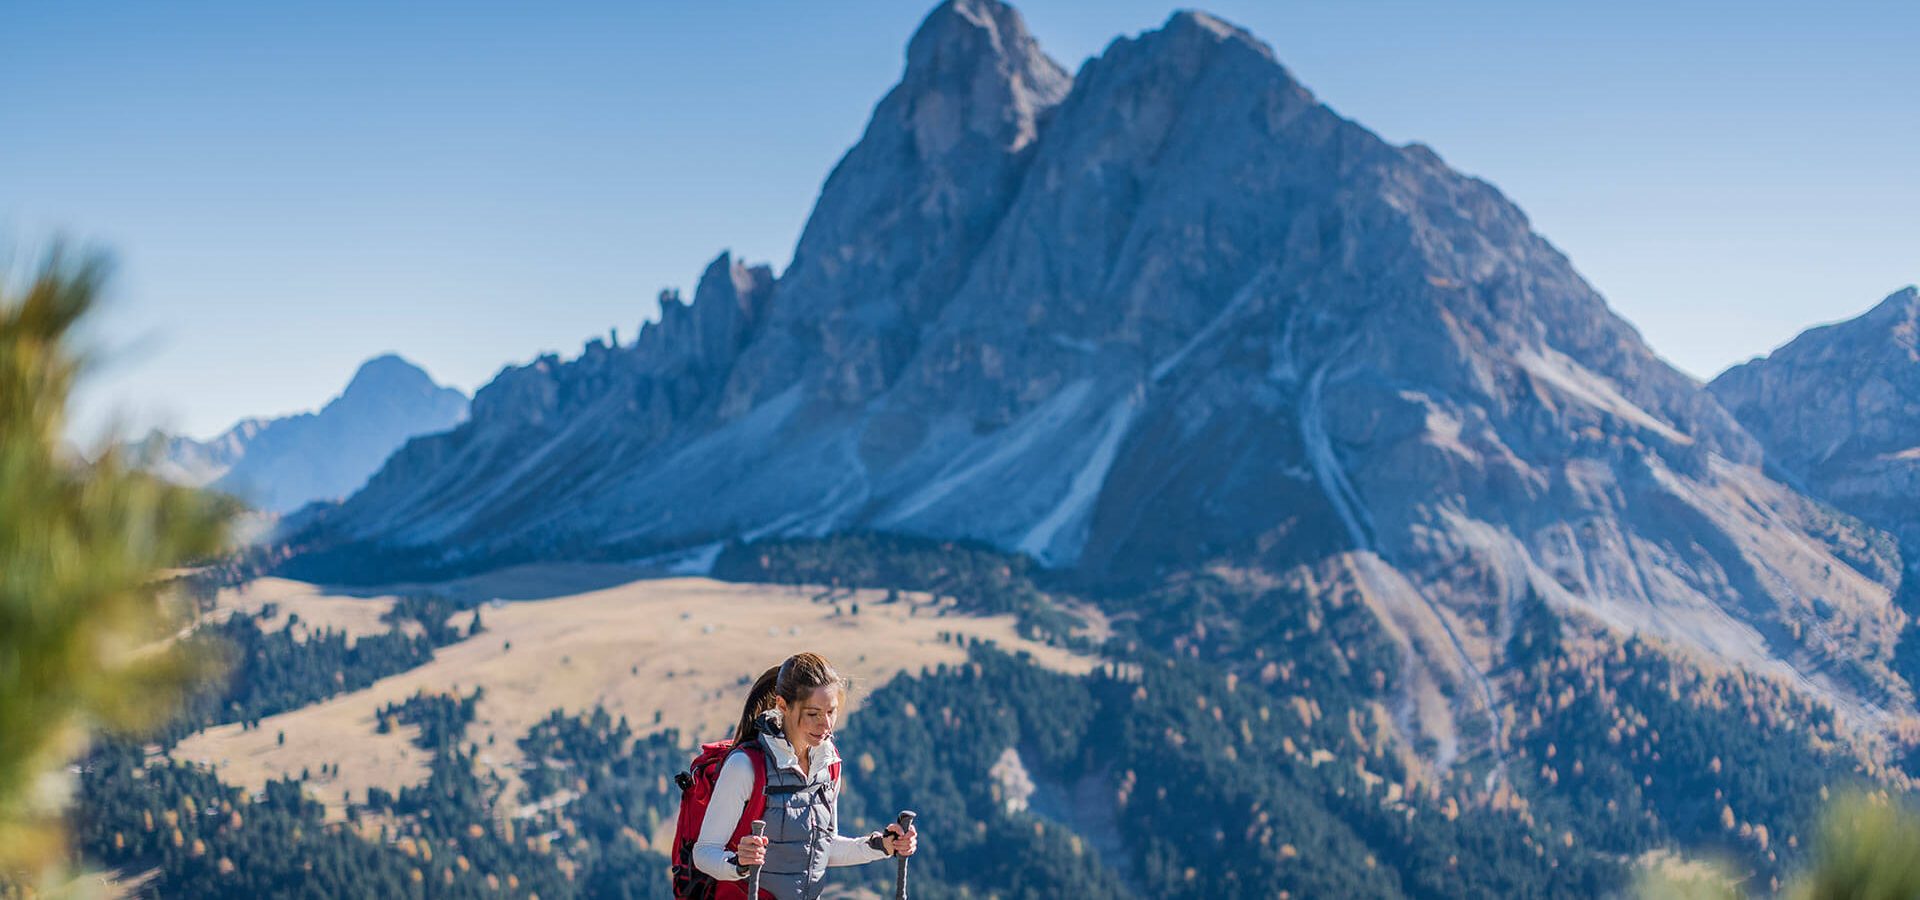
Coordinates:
(900, 879)
(753, 872)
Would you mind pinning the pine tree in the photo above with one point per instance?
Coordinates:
(1866, 849)
(86, 555)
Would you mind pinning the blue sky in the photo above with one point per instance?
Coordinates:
(291, 188)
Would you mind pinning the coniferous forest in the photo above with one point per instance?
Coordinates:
(1213, 750)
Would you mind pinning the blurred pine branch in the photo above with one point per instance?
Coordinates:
(89, 552)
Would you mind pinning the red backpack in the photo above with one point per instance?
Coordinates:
(696, 791)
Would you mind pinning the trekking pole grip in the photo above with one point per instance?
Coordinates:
(759, 827)
(900, 878)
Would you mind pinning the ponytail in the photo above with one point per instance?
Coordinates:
(801, 674)
(759, 700)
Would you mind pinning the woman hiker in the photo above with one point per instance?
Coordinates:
(789, 714)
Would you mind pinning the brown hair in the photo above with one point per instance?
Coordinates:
(799, 676)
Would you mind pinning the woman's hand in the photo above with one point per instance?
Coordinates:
(752, 850)
(898, 843)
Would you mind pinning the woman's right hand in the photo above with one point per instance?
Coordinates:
(752, 850)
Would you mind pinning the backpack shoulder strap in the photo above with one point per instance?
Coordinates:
(757, 801)
(756, 807)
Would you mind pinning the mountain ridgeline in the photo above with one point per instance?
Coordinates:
(281, 464)
(1166, 313)
(1838, 410)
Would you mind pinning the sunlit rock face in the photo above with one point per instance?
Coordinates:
(1168, 311)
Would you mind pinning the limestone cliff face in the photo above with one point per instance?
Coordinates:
(1838, 410)
(1170, 311)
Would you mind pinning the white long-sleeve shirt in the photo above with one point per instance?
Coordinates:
(729, 801)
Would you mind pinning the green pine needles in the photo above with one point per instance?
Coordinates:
(89, 552)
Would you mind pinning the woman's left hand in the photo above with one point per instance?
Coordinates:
(898, 844)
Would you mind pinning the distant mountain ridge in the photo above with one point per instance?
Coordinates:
(1168, 312)
(282, 464)
(1838, 409)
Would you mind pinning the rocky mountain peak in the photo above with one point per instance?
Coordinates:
(1900, 307)
(1168, 312)
(979, 57)
(902, 216)
(283, 463)
(1838, 411)
(387, 372)
(1869, 347)
(1195, 25)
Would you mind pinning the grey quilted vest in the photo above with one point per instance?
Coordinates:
(800, 817)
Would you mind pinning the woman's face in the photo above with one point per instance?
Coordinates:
(810, 721)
